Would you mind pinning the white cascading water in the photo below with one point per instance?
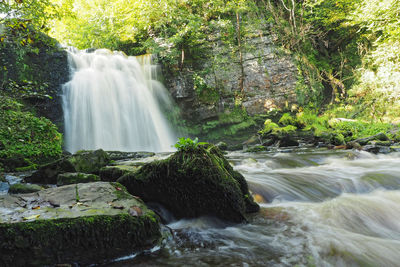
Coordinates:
(113, 102)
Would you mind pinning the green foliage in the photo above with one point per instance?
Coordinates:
(352, 130)
(186, 144)
(346, 52)
(269, 127)
(287, 119)
(205, 93)
(26, 137)
(326, 127)
(37, 13)
(22, 48)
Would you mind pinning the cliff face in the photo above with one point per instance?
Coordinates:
(269, 80)
(35, 74)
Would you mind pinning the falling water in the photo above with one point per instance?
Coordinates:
(114, 102)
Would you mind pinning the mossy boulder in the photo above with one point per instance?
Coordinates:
(76, 177)
(24, 188)
(82, 161)
(89, 161)
(194, 182)
(222, 145)
(79, 224)
(377, 137)
(113, 173)
(258, 148)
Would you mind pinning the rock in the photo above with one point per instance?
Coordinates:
(118, 155)
(235, 147)
(222, 146)
(287, 141)
(12, 163)
(112, 173)
(269, 81)
(253, 140)
(353, 145)
(268, 142)
(89, 161)
(377, 149)
(24, 188)
(379, 136)
(83, 161)
(75, 178)
(395, 148)
(81, 224)
(193, 183)
(380, 143)
(258, 148)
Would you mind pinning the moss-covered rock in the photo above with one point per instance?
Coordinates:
(222, 145)
(194, 182)
(258, 148)
(89, 161)
(112, 173)
(82, 161)
(380, 143)
(118, 155)
(74, 224)
(76, 177)
(24, 188)
(379, 137)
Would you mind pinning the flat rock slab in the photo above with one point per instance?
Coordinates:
(82, 223)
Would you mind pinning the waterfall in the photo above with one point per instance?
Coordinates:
(114, 102)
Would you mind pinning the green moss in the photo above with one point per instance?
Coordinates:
(74, 178)
(83, 240)
(24, 188)
(83, 161)
(269, 127)
(192, 183)
(121, 192)
(112, 173)
(27, 168)
(256, 149)
(89, 161)
(287, 130)
(287, 119)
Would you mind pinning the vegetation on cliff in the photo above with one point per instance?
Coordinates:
(345, 50)
(25, 140)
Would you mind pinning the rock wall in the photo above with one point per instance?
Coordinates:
(45, 70)
(270, 77)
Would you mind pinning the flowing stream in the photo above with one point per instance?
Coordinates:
(320, 208)
(113, 102)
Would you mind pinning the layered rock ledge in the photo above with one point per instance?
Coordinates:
(80, 223)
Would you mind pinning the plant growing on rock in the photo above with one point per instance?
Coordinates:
(186, 144)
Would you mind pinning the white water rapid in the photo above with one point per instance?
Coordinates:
(113, 102)
(318, 208)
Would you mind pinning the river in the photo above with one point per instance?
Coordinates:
(319, 208)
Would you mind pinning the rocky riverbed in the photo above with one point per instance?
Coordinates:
(66, 214)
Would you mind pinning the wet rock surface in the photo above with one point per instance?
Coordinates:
(82, 223)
